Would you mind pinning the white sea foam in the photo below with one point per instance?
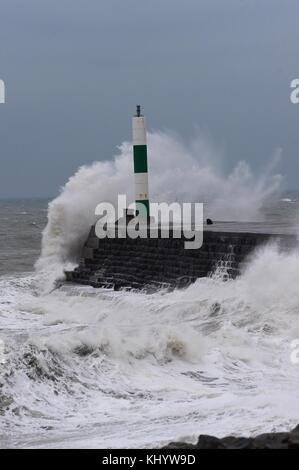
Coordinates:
(103, 368)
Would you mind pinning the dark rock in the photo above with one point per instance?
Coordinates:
(232, 442)
(271, 441)
(294, 438)
(275, 440)
(179, 445)
(209, 442)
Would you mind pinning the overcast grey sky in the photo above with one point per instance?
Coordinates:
(74, 70)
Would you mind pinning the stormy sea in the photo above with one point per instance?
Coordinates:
(93, 368)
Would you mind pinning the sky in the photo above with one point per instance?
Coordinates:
(75, 69)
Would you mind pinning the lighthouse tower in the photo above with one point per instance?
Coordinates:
(140, 164)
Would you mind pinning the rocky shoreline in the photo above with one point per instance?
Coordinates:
(275, 440)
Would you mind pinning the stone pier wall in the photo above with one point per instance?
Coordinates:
(151, 263)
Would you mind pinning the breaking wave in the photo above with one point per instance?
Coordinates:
(124, 369)
(178, 172)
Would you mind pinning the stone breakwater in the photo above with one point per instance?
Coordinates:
(279, 440)
(154, 263)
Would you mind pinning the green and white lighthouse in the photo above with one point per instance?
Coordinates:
(140, 164)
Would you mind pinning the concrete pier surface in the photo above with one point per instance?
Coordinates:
(268, 228)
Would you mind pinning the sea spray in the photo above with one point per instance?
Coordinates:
(177, 172)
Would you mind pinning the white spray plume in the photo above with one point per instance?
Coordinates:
(177, 172)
